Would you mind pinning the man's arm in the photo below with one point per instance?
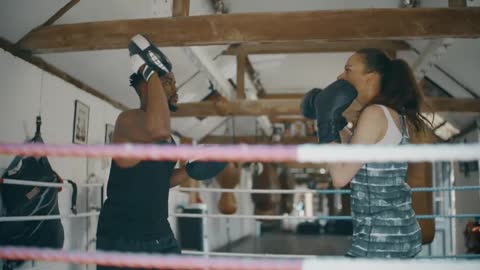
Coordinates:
(157, 115)
(179, 176)
(138, 126)
(149, 125)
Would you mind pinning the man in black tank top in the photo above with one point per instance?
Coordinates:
(134, 216)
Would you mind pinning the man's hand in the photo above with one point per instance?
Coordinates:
(147, 59)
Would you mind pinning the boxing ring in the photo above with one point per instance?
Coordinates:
(249, 153)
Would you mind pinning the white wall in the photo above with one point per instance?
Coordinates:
(22, 97)
(18, 17)
(465, 202)
(220, 230)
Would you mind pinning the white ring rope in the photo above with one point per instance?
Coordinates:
(235, 216)
(46, 184)
(322, 217)
(96, 213)
(384, 153)
(253, 191)
(48, 217)
(316, 191)
(144, 260)
(232, 190)
(43, 266)
(161, 261)
(391, 264)
(304, 256)
(268, 153)
(247, 255)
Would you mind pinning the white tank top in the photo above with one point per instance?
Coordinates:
(393, 135)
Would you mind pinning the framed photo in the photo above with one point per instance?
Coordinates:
(278, 132)
(297, 129)
(109, 133)
(80, 123)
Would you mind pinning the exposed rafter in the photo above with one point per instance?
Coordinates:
(273, 107)
(204, 63)
(258, 140)
(284, 96)
(289, 119)
(298, 165)
(314, 47)
(427, 58)
(457, 3)
(257, 27)
(241, 63)
(254, 78)
(180, 8)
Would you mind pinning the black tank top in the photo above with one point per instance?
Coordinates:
(137, 201)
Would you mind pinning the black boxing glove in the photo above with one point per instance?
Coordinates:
(329, 106)
(203, 170)
(307, 107)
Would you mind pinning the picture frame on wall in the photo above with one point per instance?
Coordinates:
(109, 133)
(297, 129)
(80, 123)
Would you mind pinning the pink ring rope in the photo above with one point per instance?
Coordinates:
(146, 260)
(266, 153)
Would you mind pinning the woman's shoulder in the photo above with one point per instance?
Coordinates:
(379, 109)
(374, 111)
(371, 125)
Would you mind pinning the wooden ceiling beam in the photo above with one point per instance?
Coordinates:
(438, 104)
(273, 107)
(375, 24)
(180, 8)
(284, 96)
(457, 3)
(238, 107)
(257, 140)
(288, 119)
(241, 62)
(315, 47)
(297, 165)
(447, 104)
(254, 77)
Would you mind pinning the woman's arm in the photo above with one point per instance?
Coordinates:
(371, 127)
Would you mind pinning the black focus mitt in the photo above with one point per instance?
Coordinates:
(203, 170)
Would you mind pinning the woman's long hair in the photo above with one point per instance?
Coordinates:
(398, 88)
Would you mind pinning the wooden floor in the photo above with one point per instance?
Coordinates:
(290, 243)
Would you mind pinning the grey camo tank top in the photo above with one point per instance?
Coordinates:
(384, 223)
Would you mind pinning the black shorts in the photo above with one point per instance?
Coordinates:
(167, 245)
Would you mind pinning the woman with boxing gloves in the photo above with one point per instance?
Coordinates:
(384, 222)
